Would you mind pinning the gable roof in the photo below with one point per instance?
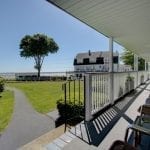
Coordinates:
(95, 54)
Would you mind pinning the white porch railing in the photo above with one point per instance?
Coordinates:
(97, 88)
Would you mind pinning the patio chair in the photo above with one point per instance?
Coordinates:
(147, 101)
(138, 127)
(141, 125)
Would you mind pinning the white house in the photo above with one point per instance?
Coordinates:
(98, 62)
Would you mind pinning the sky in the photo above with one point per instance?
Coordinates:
(21, 17)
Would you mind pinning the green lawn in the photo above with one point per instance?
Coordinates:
(6, 108)
(42, 95)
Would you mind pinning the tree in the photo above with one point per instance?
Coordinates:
(128, 59)
(37, 46)
(1, 84)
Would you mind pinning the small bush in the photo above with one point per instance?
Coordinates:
(130, 78)
(1, 84)
(70, 110)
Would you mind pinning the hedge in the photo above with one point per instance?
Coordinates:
(70, 110)
(1, 84)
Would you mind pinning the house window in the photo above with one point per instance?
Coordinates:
(75, 62)
(115, 59)
(86, 61)
(100, 60)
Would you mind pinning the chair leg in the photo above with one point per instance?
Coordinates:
(137, 139)
(126, 135)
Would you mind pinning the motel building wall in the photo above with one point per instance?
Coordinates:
(97, 62)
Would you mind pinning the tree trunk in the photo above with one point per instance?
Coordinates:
(39, 71)
(38, 65)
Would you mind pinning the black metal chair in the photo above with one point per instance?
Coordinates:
(138, 127)
(141, 125)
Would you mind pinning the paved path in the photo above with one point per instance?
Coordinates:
(26, 124)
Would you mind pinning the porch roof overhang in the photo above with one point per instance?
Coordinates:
(127, 21)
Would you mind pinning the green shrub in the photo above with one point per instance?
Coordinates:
(130, 78)
(1, 84)
(70, 110)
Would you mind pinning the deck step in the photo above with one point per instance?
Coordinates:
(60, 142)
(46, 139)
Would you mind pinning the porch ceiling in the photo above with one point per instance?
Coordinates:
(128, 21)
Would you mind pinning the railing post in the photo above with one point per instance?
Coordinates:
(136, 68)
(88, 97)
(111, 69)
(65, 101)
(145, 65)
(148, 69)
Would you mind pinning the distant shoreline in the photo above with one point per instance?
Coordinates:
(12, 75)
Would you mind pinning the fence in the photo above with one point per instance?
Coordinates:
(74, 103)
(100, 91)
(32, 76)
(74, 91)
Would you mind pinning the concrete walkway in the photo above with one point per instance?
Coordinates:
(26, 124)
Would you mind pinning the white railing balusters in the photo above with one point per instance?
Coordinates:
(96, 92)
(97, 88)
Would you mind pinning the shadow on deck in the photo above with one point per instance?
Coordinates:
(95, 131)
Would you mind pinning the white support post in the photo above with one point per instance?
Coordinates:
(135, 62)
(148, 69)
(145, 66)
(136, 66)
(88, 97)
(111, 66)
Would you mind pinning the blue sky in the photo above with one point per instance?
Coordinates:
(21, 17)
